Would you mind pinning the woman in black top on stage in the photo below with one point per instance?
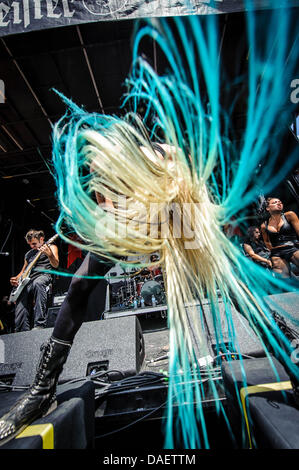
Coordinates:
(281, 233)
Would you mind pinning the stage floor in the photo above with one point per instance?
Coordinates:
(156, 341)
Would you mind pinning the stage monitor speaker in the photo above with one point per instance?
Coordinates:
(244, 336)
(286, 304)
(250, 373)
(106, 345)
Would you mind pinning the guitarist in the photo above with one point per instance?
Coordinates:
(37, 289)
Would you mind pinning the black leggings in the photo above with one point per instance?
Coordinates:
(73, 310)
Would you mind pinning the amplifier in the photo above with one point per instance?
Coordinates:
(58, 300)
(51, 316)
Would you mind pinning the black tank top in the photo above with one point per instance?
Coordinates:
(286, 233)
(42, 263)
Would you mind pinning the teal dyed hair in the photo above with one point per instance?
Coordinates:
(100, 153)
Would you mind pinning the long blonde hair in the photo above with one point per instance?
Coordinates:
(176, 207)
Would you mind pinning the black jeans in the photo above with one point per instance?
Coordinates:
(35, 292)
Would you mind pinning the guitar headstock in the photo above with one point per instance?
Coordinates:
(52, 239)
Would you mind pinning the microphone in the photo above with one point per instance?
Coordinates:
(4, 253)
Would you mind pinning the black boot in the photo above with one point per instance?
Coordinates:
(40, 399)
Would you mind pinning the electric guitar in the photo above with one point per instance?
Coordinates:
(25, 279)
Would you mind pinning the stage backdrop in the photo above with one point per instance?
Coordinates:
(20, 16)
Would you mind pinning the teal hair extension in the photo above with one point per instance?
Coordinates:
(204, 172)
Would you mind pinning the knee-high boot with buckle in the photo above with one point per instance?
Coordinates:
(40, 399)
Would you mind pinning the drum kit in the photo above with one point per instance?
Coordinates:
(136, 288)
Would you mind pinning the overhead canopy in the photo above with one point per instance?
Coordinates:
(29, 15)
(89, 64)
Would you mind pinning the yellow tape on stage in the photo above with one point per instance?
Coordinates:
(261, 388)
(46, 431)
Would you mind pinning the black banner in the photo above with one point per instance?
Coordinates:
(20, 16)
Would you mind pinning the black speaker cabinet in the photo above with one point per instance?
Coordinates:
(51, 316)
(114, 344)
(286, 304)
(272, 415)
(70, 426)
(245, 338)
